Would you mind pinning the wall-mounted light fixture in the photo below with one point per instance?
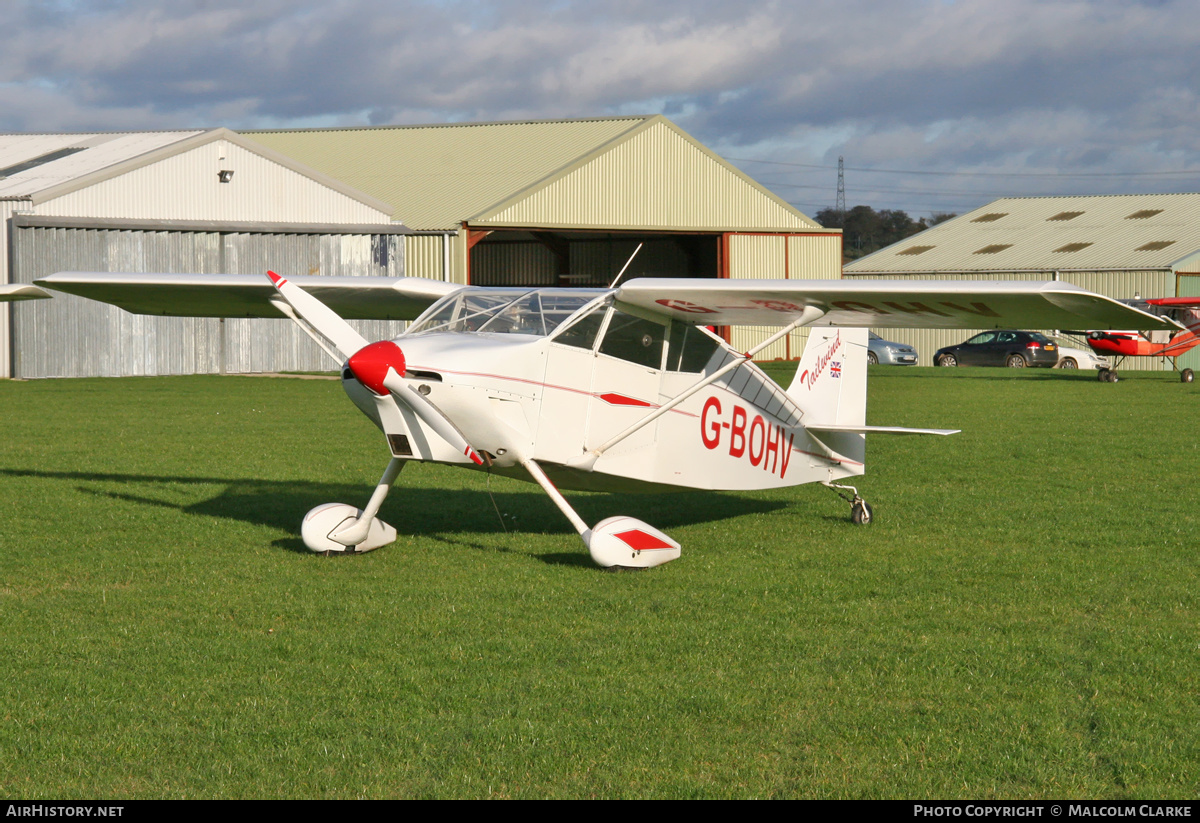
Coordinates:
(225, 175)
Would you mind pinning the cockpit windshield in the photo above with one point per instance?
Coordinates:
(503, 311)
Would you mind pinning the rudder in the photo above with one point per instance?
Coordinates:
(831, 381)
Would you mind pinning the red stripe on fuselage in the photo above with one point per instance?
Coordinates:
(545, 385)
(607, 397)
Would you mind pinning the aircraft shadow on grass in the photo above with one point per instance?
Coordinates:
(447, 514)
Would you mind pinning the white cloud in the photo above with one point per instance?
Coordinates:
(1055, 85)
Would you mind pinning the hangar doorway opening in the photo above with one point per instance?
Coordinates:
(532, 257)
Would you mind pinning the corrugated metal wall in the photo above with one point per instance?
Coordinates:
(1188, 265)
(7, 208)
(777, 257)
(1188, 285)
(425, 255)
(72, 337)
(260, 190)
(656, 179)
(1119, 284)
(814, 257)
(1123, 284)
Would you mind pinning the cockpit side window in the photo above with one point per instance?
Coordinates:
(502, 311)
(688, 348)
(634, 339)
(582, 333)
(522, 316)
(558, 306)
(462, 312)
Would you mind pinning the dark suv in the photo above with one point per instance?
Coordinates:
(1001, 348)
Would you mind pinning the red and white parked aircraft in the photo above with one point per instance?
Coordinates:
(608, 389)
(1118, 345)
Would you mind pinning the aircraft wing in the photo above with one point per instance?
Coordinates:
(21, 291)
(250, 295)
(924, 304)
(1176, 302)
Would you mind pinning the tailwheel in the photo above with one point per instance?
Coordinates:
(860, 512)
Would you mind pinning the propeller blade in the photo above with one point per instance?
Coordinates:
(378, 366)
(430, 415)
(322, 318)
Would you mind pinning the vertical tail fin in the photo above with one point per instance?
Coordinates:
(831, 381)
(830, 386)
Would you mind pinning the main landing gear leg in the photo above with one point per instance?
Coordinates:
(616, 542)
(860, 510)
(337, 528)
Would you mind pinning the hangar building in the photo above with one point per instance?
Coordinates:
(566, 202)
(186, 201)
(526, 203)
(1121, 246)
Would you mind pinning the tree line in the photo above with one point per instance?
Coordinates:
(865, 230)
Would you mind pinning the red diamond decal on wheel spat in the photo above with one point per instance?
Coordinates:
(640, 541)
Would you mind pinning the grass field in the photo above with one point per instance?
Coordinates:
(1021, 621)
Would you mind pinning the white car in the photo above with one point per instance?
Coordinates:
(1070, 357)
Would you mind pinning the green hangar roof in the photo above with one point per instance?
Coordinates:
(640, 173)
(1043, 234)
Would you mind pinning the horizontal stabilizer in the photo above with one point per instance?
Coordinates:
(250, 295)
(878, 430)
(21, 291)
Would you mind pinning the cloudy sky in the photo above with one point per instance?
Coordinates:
(936, 105)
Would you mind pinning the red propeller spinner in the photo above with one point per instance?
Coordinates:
(370, 364)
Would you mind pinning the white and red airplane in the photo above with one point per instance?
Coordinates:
(1118, 345)
(609, 389)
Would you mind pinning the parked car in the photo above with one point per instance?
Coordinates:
(889, 353)
(1070, 357)
(1015, 349)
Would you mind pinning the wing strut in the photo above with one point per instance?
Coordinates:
(587, 460)
(620, 542)
(535, 471)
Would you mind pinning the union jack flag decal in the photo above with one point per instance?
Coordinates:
(835, 369)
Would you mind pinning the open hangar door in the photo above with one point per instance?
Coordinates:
(536, 257)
